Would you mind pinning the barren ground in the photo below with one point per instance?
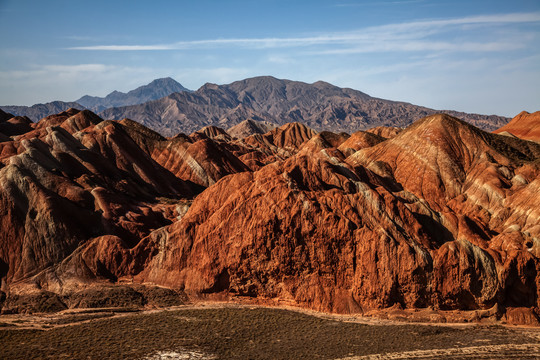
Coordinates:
(224, 331)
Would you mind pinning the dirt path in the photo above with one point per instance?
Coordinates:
(506, 351)
(78, 316)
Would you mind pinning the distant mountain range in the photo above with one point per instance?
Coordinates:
(168, 108)
(320, 105)
(39, 111)
(153, 91)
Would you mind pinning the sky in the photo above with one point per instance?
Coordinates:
(480, 56)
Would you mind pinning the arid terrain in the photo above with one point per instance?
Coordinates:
(437, 222)
(440, 214)
(214, 331)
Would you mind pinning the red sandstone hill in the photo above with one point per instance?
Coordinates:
(524, 125)
(76, 179)
(250, 127)
(446, 218)
(440, 214)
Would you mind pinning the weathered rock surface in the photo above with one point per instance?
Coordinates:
(59, 188)
(359, 140)
(250, 127)
(524, 126)
(435, 221)
(202, 161)
(440, 215)
(386, 132)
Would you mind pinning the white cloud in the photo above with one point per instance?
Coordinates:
(79, 68)
(391, 37)
(410, 46)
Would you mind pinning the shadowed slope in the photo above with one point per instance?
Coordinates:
(59, 190)
(426, 224)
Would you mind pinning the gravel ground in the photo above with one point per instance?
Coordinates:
(250, 332)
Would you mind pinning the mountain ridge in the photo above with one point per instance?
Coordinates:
(156, 89)
(524, 125)
(39, 111)
(320, 105)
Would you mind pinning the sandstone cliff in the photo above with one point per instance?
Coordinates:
(440, 214)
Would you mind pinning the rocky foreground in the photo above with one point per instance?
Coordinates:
(440, 216)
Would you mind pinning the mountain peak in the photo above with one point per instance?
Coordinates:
(525, 126)
(156, 89)
(250, 127)
(442, 125)
(165, 80)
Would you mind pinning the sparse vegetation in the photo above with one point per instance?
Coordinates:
(240, 333)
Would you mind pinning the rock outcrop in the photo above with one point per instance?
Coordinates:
(64, 184)
(428, 218)
(439, 215)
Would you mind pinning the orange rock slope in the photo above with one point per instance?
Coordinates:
(524, 126)
(439, 215)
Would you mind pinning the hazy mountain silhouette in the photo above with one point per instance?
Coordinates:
(320, 105)
(153, 91)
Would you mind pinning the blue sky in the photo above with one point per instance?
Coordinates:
(474, 56)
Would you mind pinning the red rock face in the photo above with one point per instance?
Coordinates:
(211, 132)
(281, 142)
(299, 240)
(440, 215)
(386, 132)
(359, 140)
(197, 159)
(59, 190)
(423, 219)
(524, 126)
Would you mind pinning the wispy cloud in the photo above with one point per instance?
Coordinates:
(397, 2)
(410, 36)
(412, 46)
